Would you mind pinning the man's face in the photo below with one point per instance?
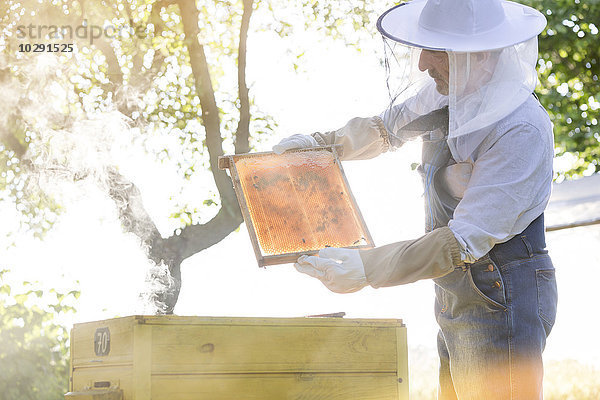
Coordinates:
(437, 66)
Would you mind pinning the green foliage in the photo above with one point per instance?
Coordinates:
(350, 21)
(570, 78)
(34, 360)
(37, 209)
(148, 78)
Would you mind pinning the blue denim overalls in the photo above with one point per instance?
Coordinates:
(495, 314)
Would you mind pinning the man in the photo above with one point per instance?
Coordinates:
(487, 172)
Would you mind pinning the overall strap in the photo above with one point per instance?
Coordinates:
(439, 205)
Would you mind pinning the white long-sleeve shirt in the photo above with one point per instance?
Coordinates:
(510, 182)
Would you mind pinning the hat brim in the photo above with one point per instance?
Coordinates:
(401, 24)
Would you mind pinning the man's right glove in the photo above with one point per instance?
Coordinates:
(295, 142)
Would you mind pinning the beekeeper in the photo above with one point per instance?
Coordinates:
(487, 172)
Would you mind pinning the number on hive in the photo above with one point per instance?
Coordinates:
(102, 341)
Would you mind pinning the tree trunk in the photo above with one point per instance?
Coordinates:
(170, 252)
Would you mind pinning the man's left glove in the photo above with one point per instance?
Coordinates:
(348, 270)
(341, 270)
(295, 142)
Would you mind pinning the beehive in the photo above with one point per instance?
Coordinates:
(185, 358)
(296, 203)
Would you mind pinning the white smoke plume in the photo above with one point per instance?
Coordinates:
(158, 282)
(73, 147)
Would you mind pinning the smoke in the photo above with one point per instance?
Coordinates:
(70, 144)
(11, 91)
(158, 285)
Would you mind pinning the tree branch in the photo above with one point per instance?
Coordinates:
(195, 238)
(113, 68)
(242, 136)
(135, 219)
(206, 94)
(132, 214)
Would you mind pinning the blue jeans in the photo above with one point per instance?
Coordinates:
(494, 317)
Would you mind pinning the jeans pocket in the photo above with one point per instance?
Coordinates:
(486, 281)
(547, 297)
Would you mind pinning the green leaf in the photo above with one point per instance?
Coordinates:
(5, 289)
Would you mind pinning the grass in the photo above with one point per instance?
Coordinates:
(571, 380)
(563, 379)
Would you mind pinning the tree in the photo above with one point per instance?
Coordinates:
(176, 69)
(34, 357)
(172, 61)
(569, 87)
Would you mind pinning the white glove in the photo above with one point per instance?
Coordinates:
(295, 142)
(340, 270)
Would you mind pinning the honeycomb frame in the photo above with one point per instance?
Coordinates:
(270, 251)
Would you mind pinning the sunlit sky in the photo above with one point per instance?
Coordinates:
(335, 84)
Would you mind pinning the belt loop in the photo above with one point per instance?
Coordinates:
(527, 245)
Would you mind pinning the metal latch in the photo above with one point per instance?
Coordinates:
(96, 394)
(98, 390)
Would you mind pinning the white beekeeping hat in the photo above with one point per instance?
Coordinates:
(461, 25)
(491, 47)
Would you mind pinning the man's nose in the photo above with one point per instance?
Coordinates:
(425, 60)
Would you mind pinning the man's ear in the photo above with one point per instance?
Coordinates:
(486, 57)
(482, 58)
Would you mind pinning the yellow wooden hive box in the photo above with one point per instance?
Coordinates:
(219, 358)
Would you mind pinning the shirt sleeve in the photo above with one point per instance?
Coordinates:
(364, 138)
(509, 180)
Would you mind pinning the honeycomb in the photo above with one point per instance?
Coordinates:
(298, 201)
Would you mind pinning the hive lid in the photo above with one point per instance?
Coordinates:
(296, 203)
